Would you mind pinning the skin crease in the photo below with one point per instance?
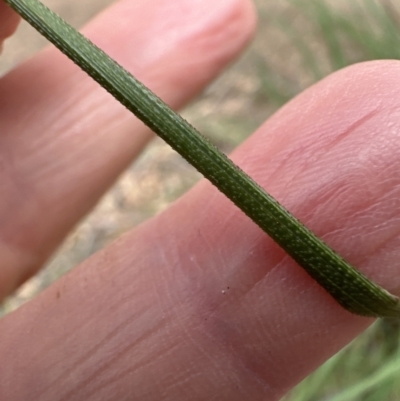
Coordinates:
(85, 139)
(198, 303)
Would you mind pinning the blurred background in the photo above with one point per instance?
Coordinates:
(298, 42)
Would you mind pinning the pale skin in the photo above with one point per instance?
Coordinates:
(151, 316)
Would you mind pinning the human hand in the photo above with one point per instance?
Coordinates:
(197, 303)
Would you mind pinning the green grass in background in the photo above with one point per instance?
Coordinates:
(323, 36)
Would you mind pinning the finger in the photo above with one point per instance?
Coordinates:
(8, 22)
(198, 303)
(64, 140)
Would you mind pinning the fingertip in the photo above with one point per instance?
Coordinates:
(207, 40)
(8, 22)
